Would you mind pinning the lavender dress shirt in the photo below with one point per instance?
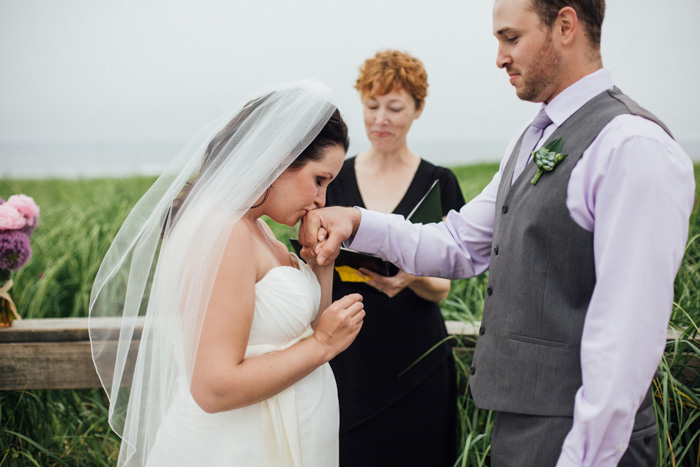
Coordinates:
(634, 189)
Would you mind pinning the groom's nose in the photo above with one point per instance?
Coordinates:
(502, 59)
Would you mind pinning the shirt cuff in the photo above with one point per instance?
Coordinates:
(566, 461)
(371, 232)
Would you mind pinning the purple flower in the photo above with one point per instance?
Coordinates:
(15, 249)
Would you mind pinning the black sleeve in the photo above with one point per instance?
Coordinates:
(450, 192)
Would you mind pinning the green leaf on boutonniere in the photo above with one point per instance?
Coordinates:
(547, 158)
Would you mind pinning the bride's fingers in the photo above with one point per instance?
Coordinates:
(329, 249)
(309, 229)
(349, 300)
(359, 317)
(357, 308)
(308, 255)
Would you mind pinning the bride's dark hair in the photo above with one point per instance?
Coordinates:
(333, 133)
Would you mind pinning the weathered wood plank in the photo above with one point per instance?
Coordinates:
(55, 353)
(464, 333)
(60, 329)
(51, 365)
(76, 329)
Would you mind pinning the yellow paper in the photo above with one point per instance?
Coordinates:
(348, 274)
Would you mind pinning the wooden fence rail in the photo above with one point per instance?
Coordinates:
(55, 353)
(51, 353)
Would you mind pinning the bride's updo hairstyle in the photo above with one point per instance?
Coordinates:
(333, 133)
(389, 70)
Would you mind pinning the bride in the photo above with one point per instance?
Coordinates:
(231, 364)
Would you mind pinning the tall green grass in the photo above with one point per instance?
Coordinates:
(56, 428)
(79, 218)
(677, 389)
(78, 221)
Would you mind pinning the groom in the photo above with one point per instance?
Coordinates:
(582, 263)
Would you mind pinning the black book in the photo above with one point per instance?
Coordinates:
(428, 210)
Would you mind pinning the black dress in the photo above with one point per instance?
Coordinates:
(390, 416)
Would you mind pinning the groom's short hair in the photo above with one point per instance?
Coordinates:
(590, 12)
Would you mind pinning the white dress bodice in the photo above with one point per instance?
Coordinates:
(297, 427)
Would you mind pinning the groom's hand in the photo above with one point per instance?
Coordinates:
(322, 231)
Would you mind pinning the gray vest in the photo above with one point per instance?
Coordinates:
(541, 279)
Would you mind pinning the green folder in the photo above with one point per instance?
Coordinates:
(429, 208)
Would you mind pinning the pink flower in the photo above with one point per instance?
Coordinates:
(11, 218)
(26, 206)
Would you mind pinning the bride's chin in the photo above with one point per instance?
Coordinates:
(286, 221)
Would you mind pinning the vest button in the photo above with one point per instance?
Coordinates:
(472, 371)
(489, 290)
(495, 250)
(504, 209)
(482, 331)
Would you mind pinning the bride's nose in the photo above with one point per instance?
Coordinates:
(320, 200)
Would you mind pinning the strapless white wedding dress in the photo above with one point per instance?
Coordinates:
(298, 427)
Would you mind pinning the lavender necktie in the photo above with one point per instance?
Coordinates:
(530, 140)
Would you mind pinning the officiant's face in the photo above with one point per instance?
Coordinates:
(296, 192)
(388, 118)
(526, 50)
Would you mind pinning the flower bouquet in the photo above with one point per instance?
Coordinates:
(19, 216)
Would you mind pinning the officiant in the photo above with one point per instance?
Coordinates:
(582, 237)
(390, 416)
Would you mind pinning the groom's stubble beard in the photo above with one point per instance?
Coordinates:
(545, 68)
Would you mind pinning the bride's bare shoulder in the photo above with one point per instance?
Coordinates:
(243, 230)
(241, 247)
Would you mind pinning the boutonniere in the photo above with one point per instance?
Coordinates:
(547, 158)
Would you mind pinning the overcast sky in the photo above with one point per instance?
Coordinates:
(147, 71)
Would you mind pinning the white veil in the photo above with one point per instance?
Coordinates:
(158, 274)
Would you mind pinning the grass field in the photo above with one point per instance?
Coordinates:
(80, 217)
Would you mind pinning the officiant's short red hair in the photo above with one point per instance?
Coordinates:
(393, 70)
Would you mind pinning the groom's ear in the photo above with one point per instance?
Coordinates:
(566, 26)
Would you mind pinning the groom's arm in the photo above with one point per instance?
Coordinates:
(641, 196)
(456, 248)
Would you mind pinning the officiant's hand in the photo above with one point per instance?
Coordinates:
(322, 231)
(389, 285)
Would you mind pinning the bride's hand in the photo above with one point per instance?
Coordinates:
(309, 255)
(339, 324)
(324, 230)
